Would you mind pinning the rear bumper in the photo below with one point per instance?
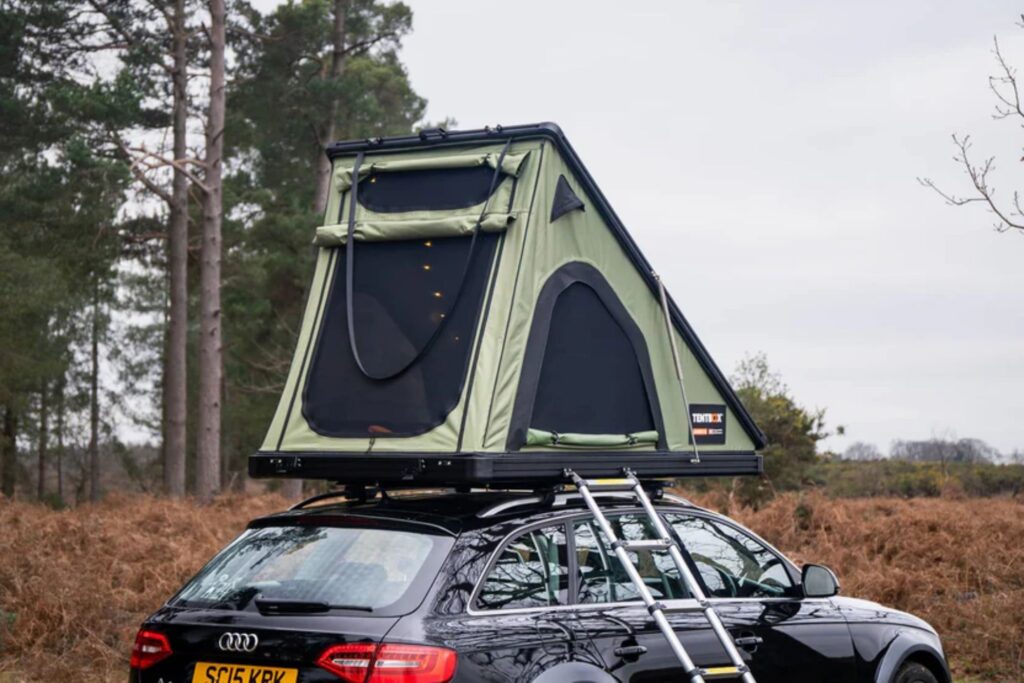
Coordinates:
(495, 469)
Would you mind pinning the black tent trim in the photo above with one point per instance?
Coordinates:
(550, 131)
(536, 345)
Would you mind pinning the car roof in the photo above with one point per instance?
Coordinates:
(452, 512)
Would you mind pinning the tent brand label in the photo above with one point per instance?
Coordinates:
(708, 422)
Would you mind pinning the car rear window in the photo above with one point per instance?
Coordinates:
(379, 570)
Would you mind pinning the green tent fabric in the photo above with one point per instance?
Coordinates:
(500, 368)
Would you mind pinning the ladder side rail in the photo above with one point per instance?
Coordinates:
(691, 583)
(691, 670)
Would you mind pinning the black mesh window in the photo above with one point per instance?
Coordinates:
(590, 380)
(403, 290)
(433, 189)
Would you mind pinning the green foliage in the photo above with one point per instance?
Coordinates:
(793, 432)
(61, 196)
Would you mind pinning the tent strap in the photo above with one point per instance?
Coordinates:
(678, 364)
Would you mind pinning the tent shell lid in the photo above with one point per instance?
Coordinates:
(437, 138)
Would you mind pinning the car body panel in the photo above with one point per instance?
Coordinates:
(839, 640)
(292, 641)
(885, 638)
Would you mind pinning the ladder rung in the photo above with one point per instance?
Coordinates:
(610, 486)
(646, 544)
(721, 673)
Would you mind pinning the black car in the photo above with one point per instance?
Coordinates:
(502, 587)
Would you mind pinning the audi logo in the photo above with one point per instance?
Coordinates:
(238, 642)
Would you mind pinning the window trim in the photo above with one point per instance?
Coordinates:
(791, 570)
(567, 521)
(496, 556)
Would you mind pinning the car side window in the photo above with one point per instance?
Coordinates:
(731, 563)
(531, 571)
(601, 577)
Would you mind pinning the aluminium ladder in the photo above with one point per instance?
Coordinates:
(738, 669)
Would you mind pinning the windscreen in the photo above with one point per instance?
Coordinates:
(366, 569)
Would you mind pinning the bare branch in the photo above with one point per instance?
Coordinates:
(152, 160)
(1005, 87)
(985, 193)
(365, 45)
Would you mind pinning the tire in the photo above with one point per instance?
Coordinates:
(911, 672)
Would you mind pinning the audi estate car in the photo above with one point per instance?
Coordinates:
(507, 587)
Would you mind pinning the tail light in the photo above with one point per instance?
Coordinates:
(389, 663)
(150, 647)
(350, 663)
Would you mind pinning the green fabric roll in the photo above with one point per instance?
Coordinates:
(429, 228)
(540, 437)
(510, 165)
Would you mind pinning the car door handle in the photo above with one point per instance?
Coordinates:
(749, 641)
(630, 651)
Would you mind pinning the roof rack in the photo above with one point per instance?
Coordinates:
(562, 498)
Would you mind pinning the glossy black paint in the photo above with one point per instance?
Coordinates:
(793, 639)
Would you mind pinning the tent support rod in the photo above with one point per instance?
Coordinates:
(678, 364)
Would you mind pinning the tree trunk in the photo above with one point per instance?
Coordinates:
(94, 398)
(210, 359)
(43, 437)
(175, 397)
(9, 460)
(328, 129)
(60, 440)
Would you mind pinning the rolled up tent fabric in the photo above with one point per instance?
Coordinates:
(426, 228)
(510, 165)
(541, 437)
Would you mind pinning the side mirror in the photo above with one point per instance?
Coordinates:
(819, 581)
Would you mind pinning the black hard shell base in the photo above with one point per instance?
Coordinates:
(504, 470)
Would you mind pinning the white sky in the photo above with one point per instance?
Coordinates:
(764, 156)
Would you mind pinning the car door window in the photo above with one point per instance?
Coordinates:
(731, 563)
(531, 571)
(601, 577)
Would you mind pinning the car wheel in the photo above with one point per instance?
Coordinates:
(915, 673)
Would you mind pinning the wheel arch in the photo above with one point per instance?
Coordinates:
(908, 647)
(575, 672)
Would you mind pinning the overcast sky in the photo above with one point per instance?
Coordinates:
(764, 156)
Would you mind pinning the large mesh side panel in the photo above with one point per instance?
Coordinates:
(402, 291)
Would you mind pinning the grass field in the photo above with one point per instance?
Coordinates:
(74, 585)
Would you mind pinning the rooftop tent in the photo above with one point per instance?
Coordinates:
(478, 315)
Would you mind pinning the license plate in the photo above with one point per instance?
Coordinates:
(207, 672)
